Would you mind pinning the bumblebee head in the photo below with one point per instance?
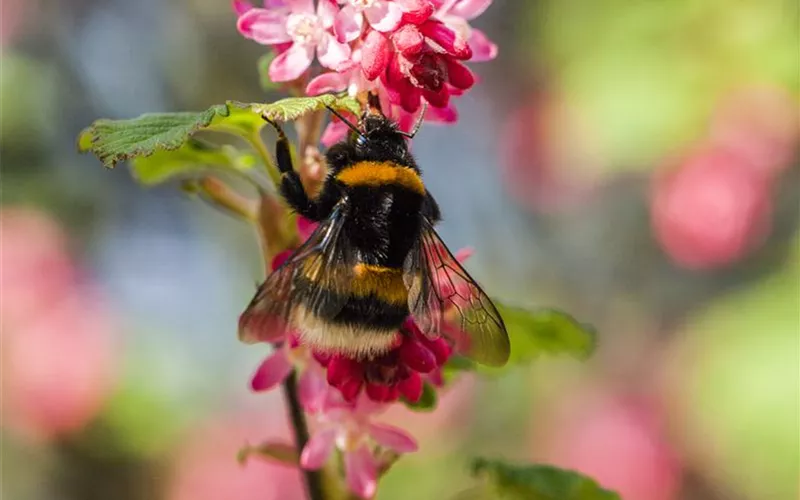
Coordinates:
(375, 128)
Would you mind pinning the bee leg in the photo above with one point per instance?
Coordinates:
(430, 209)
(291, 187)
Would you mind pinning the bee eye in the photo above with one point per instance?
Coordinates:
(361, 140)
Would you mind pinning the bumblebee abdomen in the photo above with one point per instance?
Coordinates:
(366, 321)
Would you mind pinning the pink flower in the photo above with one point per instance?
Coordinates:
(711, 211)
(311, 386)
(616, 439)
(382, 15)
(347, 427)
(456, 13)
(425, 63)
(59, 354)
(297, 26)
(205, 466)
(759, 124)
(397, 373)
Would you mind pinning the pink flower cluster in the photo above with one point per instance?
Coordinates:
(406, 51)
(342, 393)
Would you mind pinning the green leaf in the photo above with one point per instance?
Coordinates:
(242, 119)
(545, 331)
(427, 402)
(292, 108)
(538, 482)
(264, 61)
(273, 452)
(113, 141)
(191, 159)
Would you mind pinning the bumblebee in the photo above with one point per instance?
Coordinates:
(375, 259)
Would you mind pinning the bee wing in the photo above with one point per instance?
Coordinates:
(444, 300)
(315, 276)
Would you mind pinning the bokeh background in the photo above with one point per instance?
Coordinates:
(635, 163)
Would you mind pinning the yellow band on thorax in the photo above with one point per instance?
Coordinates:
(374, 173)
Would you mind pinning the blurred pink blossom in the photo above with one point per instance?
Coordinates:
(16, 13)
(206, 467)
(712, 210)
(760, 125)
(59, 355)
(615, 440)
(549, 160)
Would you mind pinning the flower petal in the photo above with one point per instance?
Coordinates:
(332, 53)
(411, 99)
(377, 392)
(279, 259)
(292, 63)
(392, 437)
(305, 227)
(350, 389)
(458, 75)
(336, 131)
(375, 54)
(464, 253)
(408, 40)
(326, 12)
(342, 369)
(383, 16)
(417, 356)
(241, 6)
(327, 82)
(348, 24)
(361, 472)
(300, 6)
(412, 387)
(448, 114)
(311, 389)
(483, 49)
(272, 371)
(446, 38)
(264, 26)
(318, 449)
(437, 99)
(470, 9)
(416, 11)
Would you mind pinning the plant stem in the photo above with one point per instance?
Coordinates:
(313, 479)
(222, 196)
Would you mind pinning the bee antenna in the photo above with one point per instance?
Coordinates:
(345, 121)
(417, 124)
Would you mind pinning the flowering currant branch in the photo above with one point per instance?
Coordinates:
(411, 55)
(407, 52)
(313, 481)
